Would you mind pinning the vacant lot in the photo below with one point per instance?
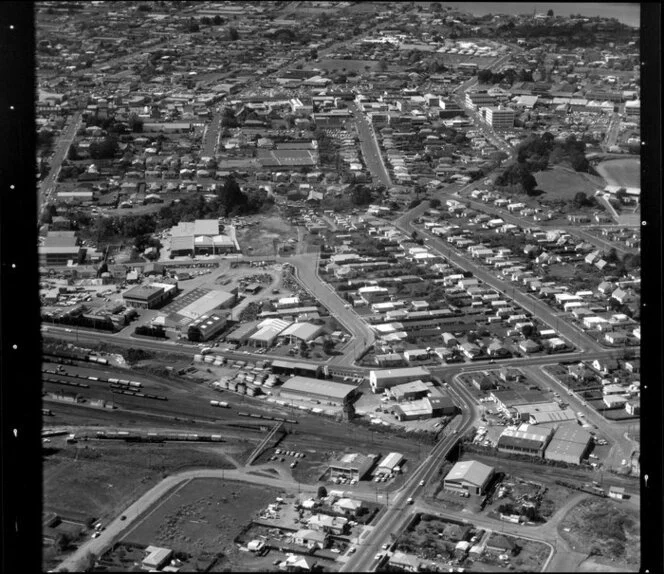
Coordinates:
(561, 183)
(263, 238)
(203, 516)
(605, 529)
(101, 480)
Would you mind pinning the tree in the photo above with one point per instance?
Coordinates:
(206, 21)
(63, 541)
(581, 200)
(135, 123)
(217, 20)
(549, 14)
(484, 76)
(321, 492)
(527, 331)
(233, 34)
(434, 203)
(328, 346)
(303, 348)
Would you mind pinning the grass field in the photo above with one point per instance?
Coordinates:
(605, 529)
(562, 184)
(331, 64)
(623, 172)
(101, 480)
(203, 516)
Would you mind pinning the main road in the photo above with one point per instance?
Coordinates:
(396, 515)
(48, 184)
(370, 148)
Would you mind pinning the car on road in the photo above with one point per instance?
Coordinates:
(421, 483)
(95, 534)
(378, 556)
(410, 500)
(123, 517)
(385, 546)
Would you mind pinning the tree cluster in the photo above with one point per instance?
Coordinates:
(517, 175)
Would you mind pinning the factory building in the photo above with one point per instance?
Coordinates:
(468, 476)
(525, 439)
(317, 390)
(388, 378)
(390, 463)
(352, 466)
(280, 367)
(570, 444)
(206, 327)
(149, 296)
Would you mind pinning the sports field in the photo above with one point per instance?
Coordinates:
(561, 183)
(623, 172)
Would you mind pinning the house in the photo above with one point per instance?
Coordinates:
(156, 557)
(614, 401)
(633, 407)
(605, 366)
(616, 337)
(297, 563)
(633, 366)
(405, 562)
(455, 532)
(501, 543)
(529, 346)
(617, 492)
(482, 382)
(348, 506)
(330, 524)
(310, 538)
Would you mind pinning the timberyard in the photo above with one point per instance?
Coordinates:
(202, 517)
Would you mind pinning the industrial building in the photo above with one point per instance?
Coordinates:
(298, 332)
(353, 466)
(200, 237)
(468, 476)
(540, 413)
(150, 296)
(209, 302)
(206, 327)
(268, 331)
(242, 333)
(388, 378)
(156, 557)
(409, 391)
(570, 444)
(59, 248)
(507, 399)
(390, 463)
(321, 390)
(281, 367)
(525, 439)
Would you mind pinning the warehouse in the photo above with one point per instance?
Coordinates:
(388, 378)
(506, 399)
(390, 463)
(199, 237)
(206, 327)
(60, 247)
(242, 333)
(298, 332)
(268, 331)
(414, 410)
(539, 413)
(570, 444)
(409, 391)
(524, 440)
(211, 301)
(149, 296)
(468, 476)
(352, 466)
(298, 387)
(280, 367)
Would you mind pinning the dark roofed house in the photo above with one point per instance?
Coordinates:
(501, 543)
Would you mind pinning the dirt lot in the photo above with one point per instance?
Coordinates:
(203, 516)
(559, 183)
(262, 239)
(606, 529)
(100, 480)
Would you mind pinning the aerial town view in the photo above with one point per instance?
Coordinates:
(339, 286)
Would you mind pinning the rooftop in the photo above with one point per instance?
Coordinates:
(470, 471)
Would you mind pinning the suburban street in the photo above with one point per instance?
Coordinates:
(48, 184)
(529, 303)
(373, 158)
